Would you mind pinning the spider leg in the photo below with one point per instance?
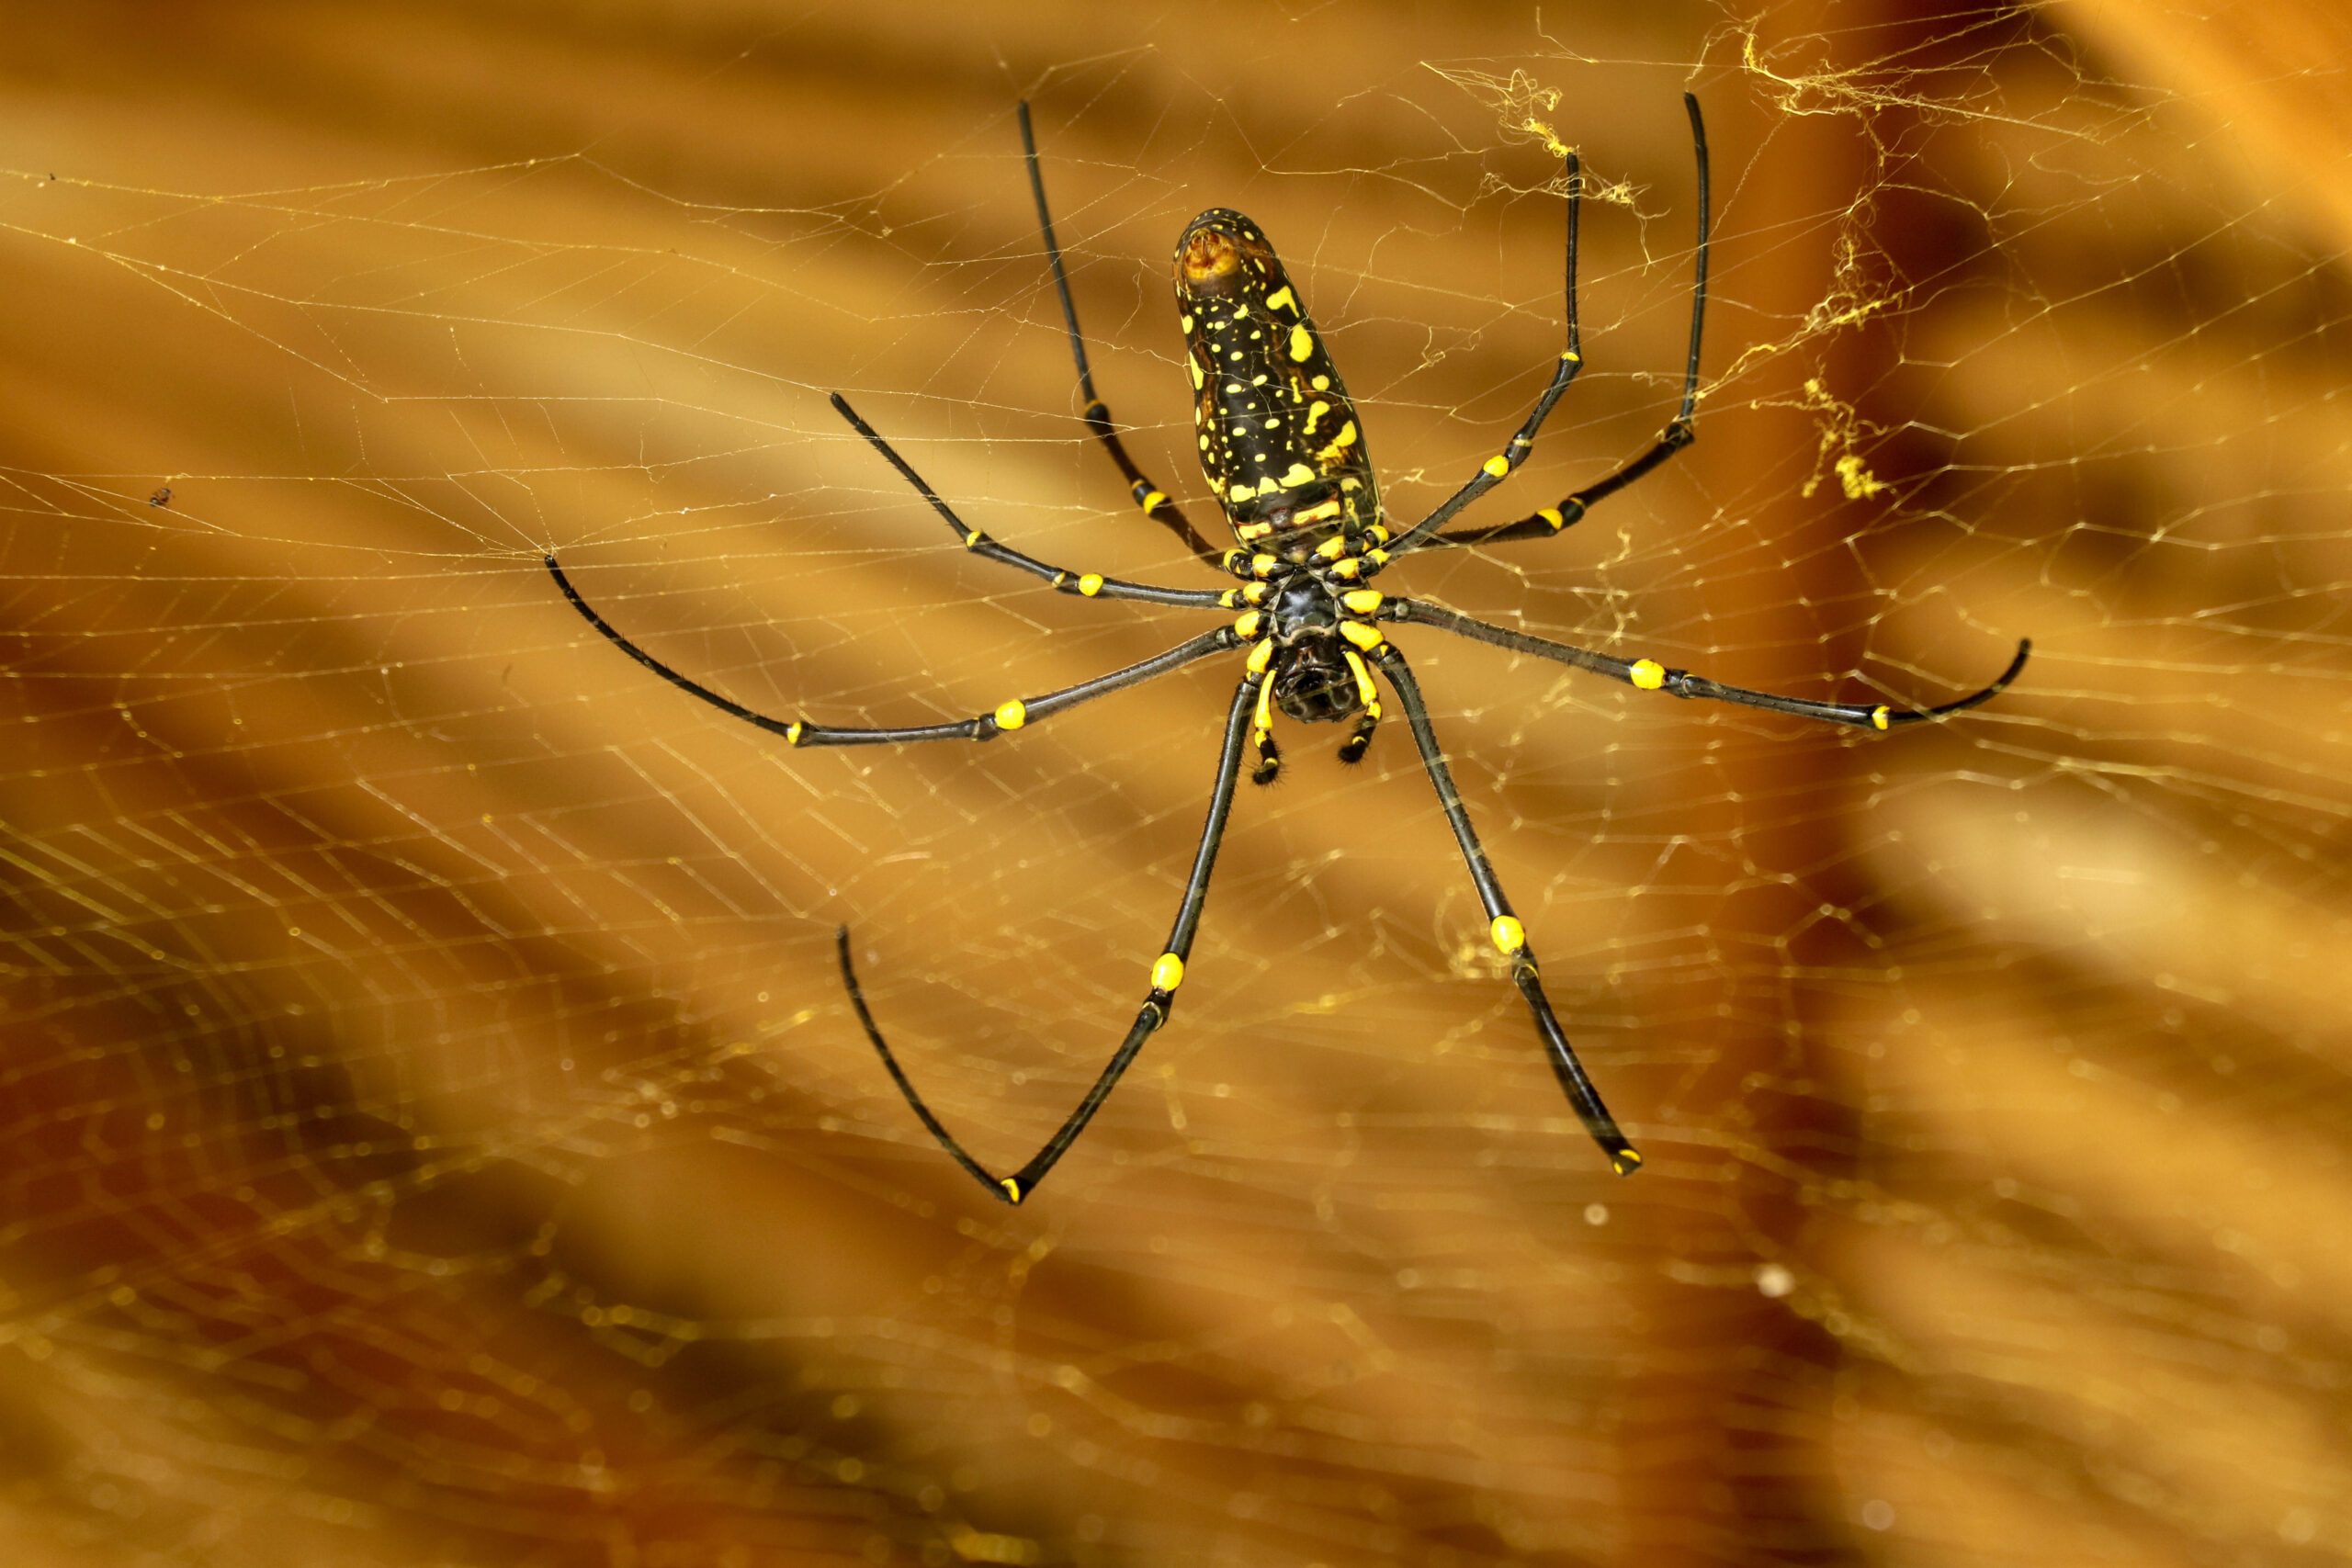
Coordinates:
(1011, 715)
(1150, 497)
(1680, 432)
(1167, 974)
(1503, 928)
(1649, 675)
(1092, 585)
(1352, 749)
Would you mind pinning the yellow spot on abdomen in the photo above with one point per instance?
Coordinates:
(1281, 299)
(1299, 474)
(1302, 342)
(1340, 442)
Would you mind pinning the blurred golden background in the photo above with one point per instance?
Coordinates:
(436, 1133)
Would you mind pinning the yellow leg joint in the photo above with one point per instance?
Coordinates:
(1263, 725)
(1363, 636)
(1012, 1190)
(1648, 674)
(1249, 623)
(975, 539)
(1362, 601)
(1154, 500)
(1625, 1162)
(1878, 718)
(1550, 517)
(1366, 693)
(1498, 466)
(792, 733)
(1510, 936)
(1167, 972)
(1091, 584)
(1011, 715)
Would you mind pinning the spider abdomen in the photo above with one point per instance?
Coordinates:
(1280, 441)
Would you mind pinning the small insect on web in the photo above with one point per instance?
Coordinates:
(1284, 449)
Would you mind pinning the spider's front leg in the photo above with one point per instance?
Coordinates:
(1167, 971)
(1507, 934)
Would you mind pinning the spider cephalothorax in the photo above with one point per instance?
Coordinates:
(1313, 633)
(1283, 450)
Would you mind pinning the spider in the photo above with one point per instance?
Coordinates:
(1284, 449)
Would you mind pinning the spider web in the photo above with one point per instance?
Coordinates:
(438, 1134)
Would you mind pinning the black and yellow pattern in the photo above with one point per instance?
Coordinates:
(1283, 446)
(1280, 440)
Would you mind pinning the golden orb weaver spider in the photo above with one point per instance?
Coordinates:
(1283, 450)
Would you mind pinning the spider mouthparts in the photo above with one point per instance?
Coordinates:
(1270, 762)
